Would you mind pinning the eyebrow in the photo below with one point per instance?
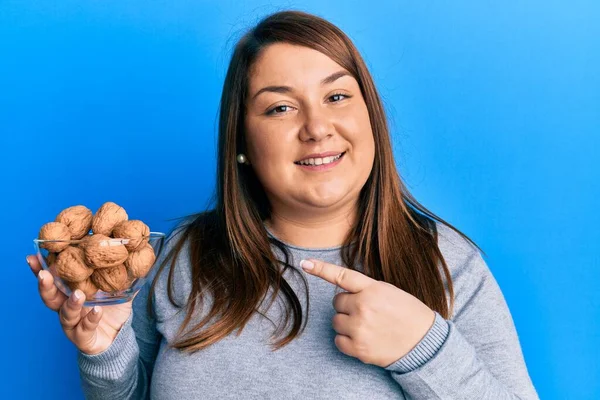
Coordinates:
(286, 89)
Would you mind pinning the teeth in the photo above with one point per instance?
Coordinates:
(320, 161)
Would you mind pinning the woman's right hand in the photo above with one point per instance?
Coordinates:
(92, 330)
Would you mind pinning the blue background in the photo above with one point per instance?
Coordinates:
(494, 107)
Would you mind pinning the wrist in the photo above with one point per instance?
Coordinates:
(425, 349)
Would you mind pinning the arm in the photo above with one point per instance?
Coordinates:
(477, 355)
(123, 371)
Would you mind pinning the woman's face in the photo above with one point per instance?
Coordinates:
(303, 112)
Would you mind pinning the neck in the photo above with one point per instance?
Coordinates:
(316, 231)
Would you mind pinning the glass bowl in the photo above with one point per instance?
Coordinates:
(100, 297)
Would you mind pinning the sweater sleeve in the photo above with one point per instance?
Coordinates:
(123, 371)
(476, 355)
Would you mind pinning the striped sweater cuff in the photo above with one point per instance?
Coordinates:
(425, 350)
(112, 363)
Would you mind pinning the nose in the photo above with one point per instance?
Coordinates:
(316, 127)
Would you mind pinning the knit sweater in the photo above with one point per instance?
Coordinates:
(475, 354)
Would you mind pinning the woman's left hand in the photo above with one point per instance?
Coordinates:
(376, 322)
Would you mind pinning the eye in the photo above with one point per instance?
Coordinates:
(278, 110)
(337, 97)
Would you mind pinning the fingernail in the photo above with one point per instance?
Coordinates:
(27, 259)
(307, 264)
(96, 309)
(40, 276)
(76, 295)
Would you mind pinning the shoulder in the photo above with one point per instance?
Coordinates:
(177, 241)
(468, 270)
(454, 247)
(173, 260)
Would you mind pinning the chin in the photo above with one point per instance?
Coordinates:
(326, 200)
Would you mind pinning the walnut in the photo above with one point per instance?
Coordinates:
(78, 219)
(50, 259)
(136, 231)
(55, 231)
(103, 252)
(52, 269)
(107, 216)
(86, 286)
(82, 242)
(111, 279)
(70, 265)
(139, 262)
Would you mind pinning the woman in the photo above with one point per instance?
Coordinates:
(306, 178)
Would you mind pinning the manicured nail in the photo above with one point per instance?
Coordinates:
(307, 264)
(76, 295)
(96, 309)
(40, 276)
(27, 259)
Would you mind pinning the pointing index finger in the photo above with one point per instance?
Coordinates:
(347, 279)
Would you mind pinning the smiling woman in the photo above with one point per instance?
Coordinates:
(308, 124)
(307, 178)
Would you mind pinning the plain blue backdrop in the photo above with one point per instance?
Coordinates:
(494, 109)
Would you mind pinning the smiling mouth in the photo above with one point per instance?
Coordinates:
(320, 161)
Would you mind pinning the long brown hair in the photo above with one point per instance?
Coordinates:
(230, 250)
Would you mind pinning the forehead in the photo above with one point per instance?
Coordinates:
(287, 64)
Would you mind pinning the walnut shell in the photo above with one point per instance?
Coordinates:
(111, 279)
(71, 266)
(78, 219)
(107, 216)
(103, 252)
(50, 259)
(52, 269)
(86, 286)
(136, 231)
(82, 242)
(55, 231)
(139, 262)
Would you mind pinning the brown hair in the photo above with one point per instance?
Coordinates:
(230, 250)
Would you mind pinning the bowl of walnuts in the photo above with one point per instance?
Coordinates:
(106, 255)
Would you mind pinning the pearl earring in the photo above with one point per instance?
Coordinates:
(241, 158)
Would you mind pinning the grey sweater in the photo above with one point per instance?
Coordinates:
(474, 355)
